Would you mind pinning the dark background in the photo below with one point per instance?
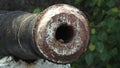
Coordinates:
(104, 17)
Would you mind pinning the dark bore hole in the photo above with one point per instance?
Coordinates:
(64, 33)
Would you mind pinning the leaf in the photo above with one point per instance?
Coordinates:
(110, 3)
(100, 47)
(115, 10)
(95, 13)
(78, 1)
(110, 22)
(119, 14)
(114, 52)
(94, 2)
(37, 10)
(104, 56)
(109, 12)
(93, 38)
(108, 30)
(93, 31)
(89, 58)
(102, 36)
(108, 66)
(99, 2)
(92, 47)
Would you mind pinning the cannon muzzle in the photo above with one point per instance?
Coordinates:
(60, 34)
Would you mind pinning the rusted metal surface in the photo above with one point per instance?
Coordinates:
(59, 34)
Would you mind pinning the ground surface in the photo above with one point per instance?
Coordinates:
(8, 62)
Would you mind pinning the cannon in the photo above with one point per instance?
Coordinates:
(59, 34)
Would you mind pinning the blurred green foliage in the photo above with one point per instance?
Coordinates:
(103, 50)
(37, 10)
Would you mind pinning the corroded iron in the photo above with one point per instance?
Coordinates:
(59, 34)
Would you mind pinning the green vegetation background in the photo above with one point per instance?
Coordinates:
(103, 50)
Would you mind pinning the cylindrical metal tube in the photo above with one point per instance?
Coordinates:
(16, 34)
(59, 34)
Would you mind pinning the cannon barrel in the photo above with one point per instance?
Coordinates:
(60, 34)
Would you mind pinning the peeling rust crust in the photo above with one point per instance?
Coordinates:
(49, 21)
